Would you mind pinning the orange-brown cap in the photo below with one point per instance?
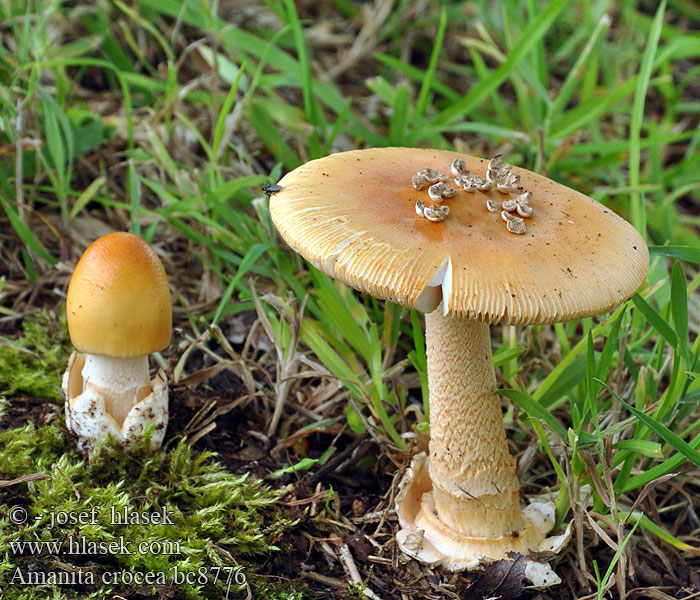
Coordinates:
(352, 215)
(118, 301)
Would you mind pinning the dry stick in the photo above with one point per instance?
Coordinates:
(199, 416)
(654, 594)
(201, 433)
(325, 580)
(336, 461)
(25, 478)
(348, 563)
(286, 364)
(350, 567)
(230, 557)
(75, 489)
(626, 550)
(595, 478)
(600, 531)
(291, 364)
(578, 522)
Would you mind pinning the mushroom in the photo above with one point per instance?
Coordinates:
(460, 507)
(118, 311)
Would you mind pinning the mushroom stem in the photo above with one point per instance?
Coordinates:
(123, 382)
(475, 487)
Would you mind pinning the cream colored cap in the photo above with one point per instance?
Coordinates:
(352, 216)
(118, 301)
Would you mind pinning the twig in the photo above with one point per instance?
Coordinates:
(336, 461)
(325, 580)
(201, 433)
(75, 489)
(600, 531)
(348, 563)
(25, 478)
(350, 568)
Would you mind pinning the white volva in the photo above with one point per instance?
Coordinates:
(89, 405)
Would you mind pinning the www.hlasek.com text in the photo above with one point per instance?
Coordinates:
(80, 545)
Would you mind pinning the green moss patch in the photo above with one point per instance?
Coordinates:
(34, 363)
(170, 524)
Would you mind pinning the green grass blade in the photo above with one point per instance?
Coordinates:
(606, 355)
(589, 110)
(399, 123)
(655, 320)
(686, 253)
(662, 431)
(661, 533)
(416, 74)
(530, 36)
(221, 119)
(86, 196)
(429, 75)
(311, 108)
(638, 207)
(419, 361)
(535, 410)
(565, 377)
(25, 233)
(643, 447)
(134, 187)
(567, 89)
(669, 465)
(613, 563)
(679, 309)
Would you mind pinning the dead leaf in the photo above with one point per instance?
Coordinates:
(501, 579)
(358, 543)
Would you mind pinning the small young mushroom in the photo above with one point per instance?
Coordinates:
(460, 506)
(118, 311)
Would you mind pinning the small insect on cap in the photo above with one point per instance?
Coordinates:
(118, 301)
(497, 254)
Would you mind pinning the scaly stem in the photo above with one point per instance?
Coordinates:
(474, 482)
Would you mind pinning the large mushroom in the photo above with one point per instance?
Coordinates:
(468, 262)
(118, 311)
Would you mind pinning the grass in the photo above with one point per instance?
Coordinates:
(165, 118)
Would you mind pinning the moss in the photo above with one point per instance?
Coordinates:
(34, 363)
(263, 587)
(211, 520)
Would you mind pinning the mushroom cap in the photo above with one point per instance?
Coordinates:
(352, 215)
(118, 301)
